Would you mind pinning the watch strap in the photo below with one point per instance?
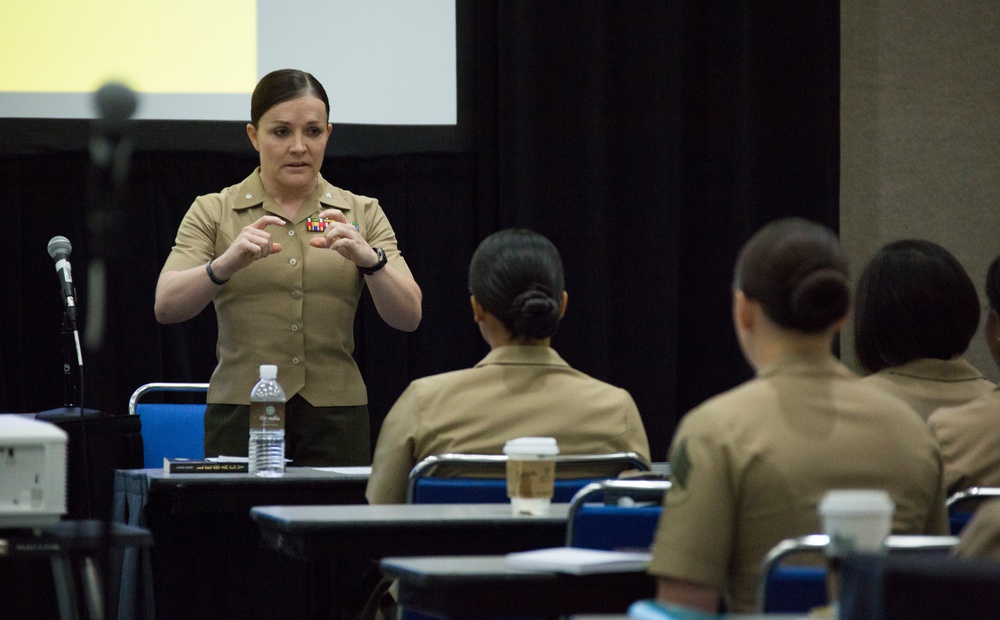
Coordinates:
(382, 260)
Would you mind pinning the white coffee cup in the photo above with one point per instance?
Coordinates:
(531, 475)
(856, 520)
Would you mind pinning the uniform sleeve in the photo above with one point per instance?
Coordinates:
(394, 451)
(695, 534)
(955, 476)
(981, 537)
(379, 233)
(937, 521)
(197, 235)
(635, 439)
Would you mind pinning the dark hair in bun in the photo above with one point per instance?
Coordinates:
(517, 276)
(798, 272)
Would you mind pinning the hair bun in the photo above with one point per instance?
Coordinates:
(819, 299)
(536, 313)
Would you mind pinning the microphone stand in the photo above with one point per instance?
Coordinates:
(72, 408)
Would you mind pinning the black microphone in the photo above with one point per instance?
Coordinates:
(115, 104)
(59, 250)
(111, 146)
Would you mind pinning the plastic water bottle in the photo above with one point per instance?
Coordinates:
(267, 425)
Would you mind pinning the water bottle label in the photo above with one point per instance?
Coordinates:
(267, 416)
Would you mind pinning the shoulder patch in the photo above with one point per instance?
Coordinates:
(680, 464)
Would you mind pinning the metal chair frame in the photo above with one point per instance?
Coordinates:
(973, 495)
(427, 467)
(963, 504)
(816, 543)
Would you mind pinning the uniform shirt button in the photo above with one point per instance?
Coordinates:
(295, 328)
(293, 262)
(295, 360)
(295, 294)
(291, 233)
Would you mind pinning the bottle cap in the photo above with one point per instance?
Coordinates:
(268, 371)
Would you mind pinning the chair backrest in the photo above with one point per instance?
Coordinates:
(798, 588)
(448, 479)
(170, 429)
(962, 505)
(616, 514)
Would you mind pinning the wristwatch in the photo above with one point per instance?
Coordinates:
(382, 260)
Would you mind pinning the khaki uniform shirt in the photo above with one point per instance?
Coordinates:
(294, 308)
(969, 435)
(515, 391)
(750, 466)
(927, 384)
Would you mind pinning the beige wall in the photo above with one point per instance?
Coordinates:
(920, 133)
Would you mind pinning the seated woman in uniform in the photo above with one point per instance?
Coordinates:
(521, 388)
(969, 434)
(750, 466)
(916, 312)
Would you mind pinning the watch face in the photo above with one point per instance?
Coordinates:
(382, 260)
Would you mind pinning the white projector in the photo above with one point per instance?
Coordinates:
(32, 472)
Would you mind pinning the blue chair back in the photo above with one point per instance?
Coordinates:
(615, 528)
(428, 485)
(616, 514)
(795, 589)
(482, 490)
(174, 430)
(962, 505)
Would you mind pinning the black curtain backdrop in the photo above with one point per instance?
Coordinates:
(647, 139)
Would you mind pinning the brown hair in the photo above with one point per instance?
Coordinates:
(798, 272)
(281, 86)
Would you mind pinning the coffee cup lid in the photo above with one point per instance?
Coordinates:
(842, 501)
(542, 446)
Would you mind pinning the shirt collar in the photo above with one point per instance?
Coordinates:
(941, 370)
(806, 363)
(251, 193)
(512, 355)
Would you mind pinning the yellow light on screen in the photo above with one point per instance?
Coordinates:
(170, 46)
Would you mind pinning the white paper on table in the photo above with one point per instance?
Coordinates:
(579, 561)
(349, 471)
